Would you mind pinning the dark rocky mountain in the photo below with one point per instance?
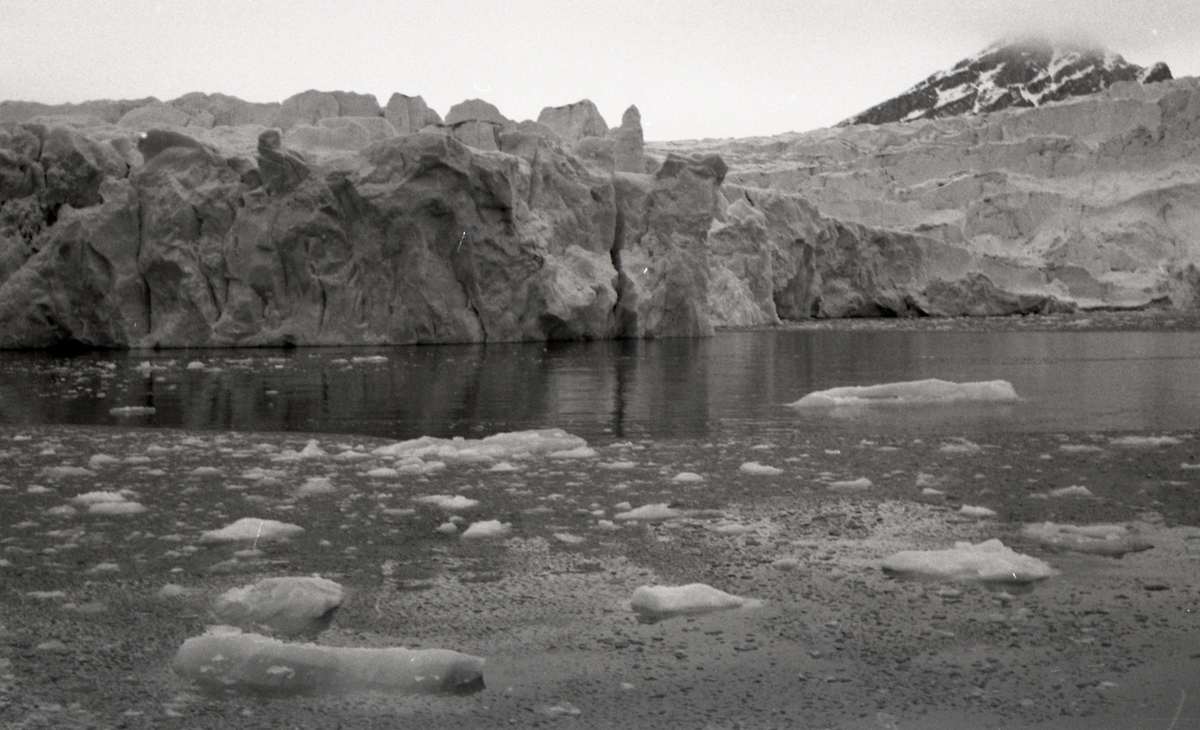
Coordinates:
(1026, 73)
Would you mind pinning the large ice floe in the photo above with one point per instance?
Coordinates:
(1110, 540)
(287, 606)
(252, 528)
(658, 603)
(542, 442)
(228, 661)
(917, 392)
(990, 561)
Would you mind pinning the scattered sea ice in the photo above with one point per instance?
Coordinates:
(1144, 442)
(502, 466)
(253, 664)
(617, 465)
(569, 538)
(974, 512)
(753, 467)
(285, 606)
(580, 452)
(1072, 491)
(448, 503)
(989, 561)
(369, 359)
(252, 528)
(206, 471)
(857, 485)
(1105, 539)
(498, 446)
(487, 528)
(687, 477)
(658, 603)
(132, 411)
(66, 472)
(1079, 448)
(99, 460)
(447, 528)
(959, 445)
(116, 508)
(658, 511)
(382, 472)
(931, 391)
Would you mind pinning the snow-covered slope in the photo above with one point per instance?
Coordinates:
(1023, 73)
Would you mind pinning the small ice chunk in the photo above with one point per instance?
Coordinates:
(960, 445)
(259, 665)
(569, 538)
(447, 528)
(989, 561)
(487, 528)
(658, 603)
(687, 477)
(382, 472)
(1144, 442)
(617, 465)
(497, 446)
(206, 471)
(90, 498)
(99, 460)
(448, 503)
(315, 485)
(66, 472)
(580, 452)
(313, 450)
(352, 455)
(285, 606)
(917, 392)
(131, 411)
(855, 485)
(63, 510)
(1103, 539)
(369, 359)
(252, 528)
(195, 365)
(753, 467)
(659, 511)
(975, 512)
(116, 508)
(502, 466)
(1074, 490)
(1079, 448)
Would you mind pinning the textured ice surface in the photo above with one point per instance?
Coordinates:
(487, 528)
(252, 528)
(912, 392)
(492, 448)
(649, 512)
(657, 603)
(990, 561)
(1103, 539)
(292, 605)
(253, 664)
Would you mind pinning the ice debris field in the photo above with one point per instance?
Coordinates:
(533, 572)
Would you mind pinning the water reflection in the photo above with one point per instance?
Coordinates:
(687, 388)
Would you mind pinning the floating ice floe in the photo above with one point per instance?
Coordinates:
(99, 460)
(287, 606)
(1144, 442)
(916, 392)
(658, 511)
(448, 503)
(108, 503)
(254, 664)
(1074, 490)
(132, 411)
(658, 603)
(989, 561)
(975, 512)
(65, 472)
(687, 477)
(487, 528)
(1079, 448)
(753, 467)
(252, 528)
(315, 485)
(369, 359)
(1105, 539)
(543, 442)
(855, 485)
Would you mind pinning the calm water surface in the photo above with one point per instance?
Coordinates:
(731, 383)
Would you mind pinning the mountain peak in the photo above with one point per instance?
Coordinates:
(1020, 72)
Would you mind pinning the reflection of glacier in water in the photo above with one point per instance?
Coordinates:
(687, 388)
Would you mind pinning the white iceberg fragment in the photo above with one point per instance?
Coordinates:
(313, 450)
(917, 392)
(753, 467)
(491, 448)
(975, 512)
(448, 503)
(382, 472)
(1074, 490)
(1144, 442)
(657, 603)
(687, 477)
(1103, 539)
(487, 528)
(369, 359)
(287, 606)
(315, 485)
(66, 472)
(98, 460)
(252, 528)
(108, 503)
(990, 561)
(659, 511)
(1079, 448)
(254, 664)
(854, 485)
(132, 411)
(959, 445)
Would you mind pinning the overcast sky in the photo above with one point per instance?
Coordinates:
(705, 68)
